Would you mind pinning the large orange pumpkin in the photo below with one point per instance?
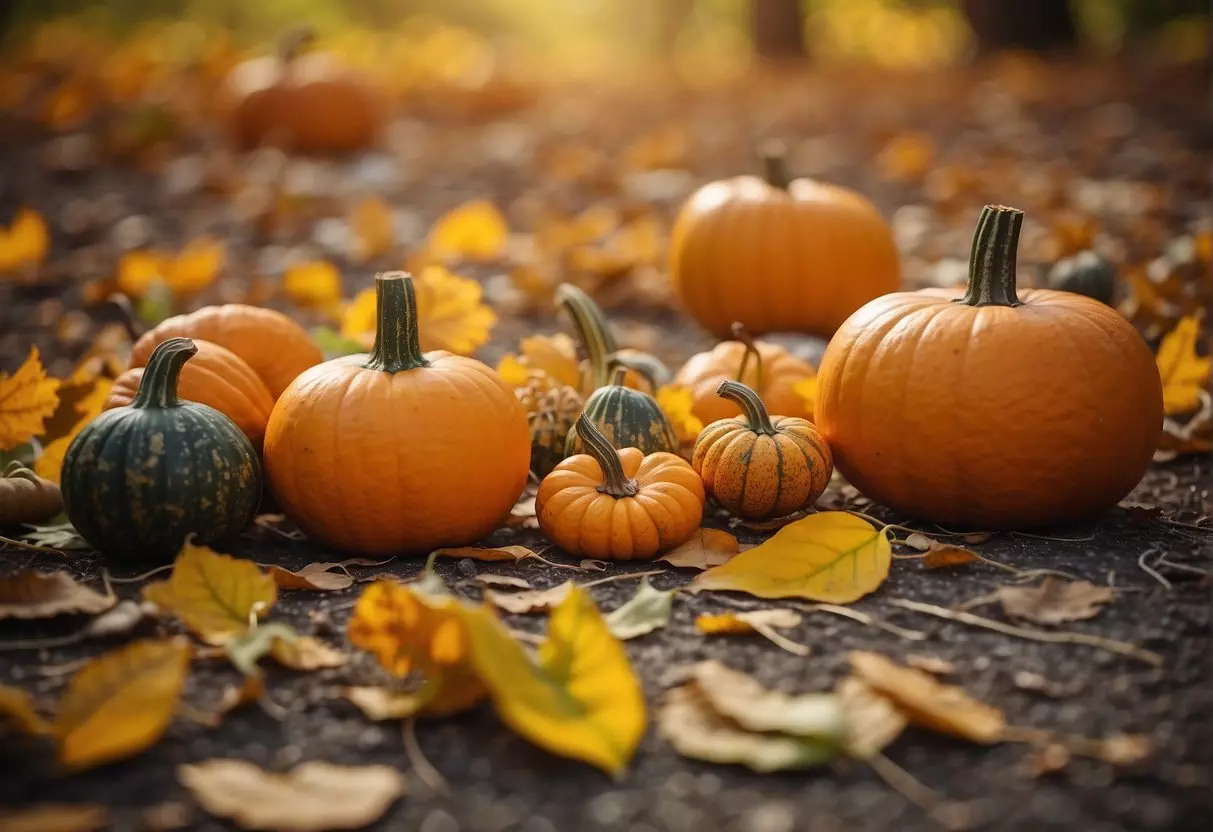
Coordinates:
(397, 452)
(277, 348)
(216, 377)
(779, 254)
(990, 410)
(304, 102)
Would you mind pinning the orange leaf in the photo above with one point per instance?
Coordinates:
(25, 242)
(139, 270)
(197, 266)
(27, 399)
(942, 555)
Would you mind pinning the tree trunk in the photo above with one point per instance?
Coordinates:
(1034, 25)
(777, 27)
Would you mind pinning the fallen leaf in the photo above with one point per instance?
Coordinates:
(688, 722)
(17, 708)
(56, 817)
(943, 555)
(120, 703)
(314, 576)
(28, 595)
(976, 538)
(139, 270)
(591, 565)
(196, 266)
(705, 549)
(509, 581)
(919, 541)
(744, 701)
(582, 698)
(314, 284)
(1054, 601)
(1046, 759)
(931, 664)
(374, 229)
(312, 797)
(49, 463)
(1026, 680)
(522, 515)
(25, 242)
(307, 653)
(216, 596)
(505, 553)
(250, 690)
(763, 622)
(677, 404)
(473, 231)
(63, 537)
(1184, 374)
(333, 344)
(535, 600)
(873, 721)
(832, 557)
(644, 612)
(27, 400)
(1123, 749)
(554, 356)
(281, 642)
(927, 702)
(379, 704)
(1141, 515)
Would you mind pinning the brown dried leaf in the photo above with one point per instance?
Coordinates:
(17, 708)
(306, 653)
(29, 595)
(873, 721)
(1054, 601)
(943, 555)
(379, 704)
(931, 664)
(250, 689)
(919, 541)
(1046, 759)
(743, 700)
(763, 622)
(312, 797)
(977, 538)
(314, 576)
(591, 565)
(522, 515)
(56, 817)
(506, 581)
(535, 600)
(705, 549)
(511, 554)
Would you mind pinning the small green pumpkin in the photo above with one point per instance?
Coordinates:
(138, 480)
(1086, 273)
(628, 418)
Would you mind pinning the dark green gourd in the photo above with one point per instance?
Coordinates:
(1086, 273)
(628, 418)
(139, 479)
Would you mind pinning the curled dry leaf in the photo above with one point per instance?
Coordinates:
(522, 515)
(27, 399)
(832, 557)
(29, 594)
(307, 653)
(63, 537)
(705, 549)
(507, 581)
(644, 612)
(873, 721)
(592, 565)
(509, 554)
(1054, 601)
(56, 817)
(214, 595)
(531, 601)
(312, 797)
(931, 664)
(763, 622)
(17, 709)
(315, 576)
(928, 703)
(744, 701)
(120, 703)
(919, 541)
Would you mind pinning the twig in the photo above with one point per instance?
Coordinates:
(1182, 567)
(864, 618)
(142, 577)
(33, 547)
(1055, 539)
(905, 784)
(1184, 525)
(1029, 574)
(429, 775)
(627, 576)
(1053, 637)
(1149, 570)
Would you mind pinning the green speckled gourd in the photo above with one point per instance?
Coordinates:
(550, 417)
(1086, 273)
(139, 479)
(628, 418)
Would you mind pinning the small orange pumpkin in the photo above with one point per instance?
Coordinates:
(991, 410)
(768, 369)
(277, 348)
(779, 254)
(397, 452)
(216, 377)
(621, 505)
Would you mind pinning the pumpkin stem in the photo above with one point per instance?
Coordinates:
(775, 165)
(992, 259)
(158, 387)
(751, 351)
(750, 403)
(294, 42)
(593, 331)
(614, 481)
(619, 373)
(397, 341)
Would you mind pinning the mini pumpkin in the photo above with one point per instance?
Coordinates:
(215, 377)
(758, 466)
(397, 451)
(779, 253)
(26, 497)
(991, 410)
(277, 348)
(645, 372)
(629, 419)
(1085, 273)
(768, 369)
(138, 480)
(621, 505)
(307, 102)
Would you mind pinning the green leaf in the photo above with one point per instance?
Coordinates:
(334, 344)
(646, 611)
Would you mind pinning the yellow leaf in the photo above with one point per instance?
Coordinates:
(17, 709)
(581, 700)
(763, 622)
(450, 314)
(29, 595)
(215, 596)
(27, 399)
(25, 242)
(553, 355)
(315, 285)
(832, 556)
(677, 404)
(806, 388)
(511, 370)
(358, 317)
(473, 231)
(196, 266)
(705, 549)
(138, 271)
(374, 232)
(120, 703)
(49, 463)
(1184, 373)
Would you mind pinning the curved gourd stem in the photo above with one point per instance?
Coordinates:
(614, 481)
(648, 367)
(751, 351)
(397, 340)
(592, 331)
(158, 387)
(775, 165)
(750, 403)
(992, 258)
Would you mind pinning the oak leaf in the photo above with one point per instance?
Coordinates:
(27, 399)
(832, 557)
(703, 550)
(646, 611)
(475, 231)
(28, 595)
(121, 702)
(1054, 601)
(17, 708)
(1184, 374)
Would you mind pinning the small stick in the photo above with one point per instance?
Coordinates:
(864, 618)
(429, 775)
(1053, 637)
(138, 578)
(627, 576)
(1182, 567)
(1145, 567)
(905, 784)
(1055, 539)
(33, 547)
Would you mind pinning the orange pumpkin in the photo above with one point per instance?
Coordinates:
(215, 377)
(620, 505)
(759, 466)
(990, 410)
(397, 452)
(768, 369)
(779, 254)
(277, 348)
(304, 102)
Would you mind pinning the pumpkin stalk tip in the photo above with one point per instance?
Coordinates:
(397, 338)
(751, 405)
(992, 260)
(158, 387)
(775, 165)
(614, 481)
